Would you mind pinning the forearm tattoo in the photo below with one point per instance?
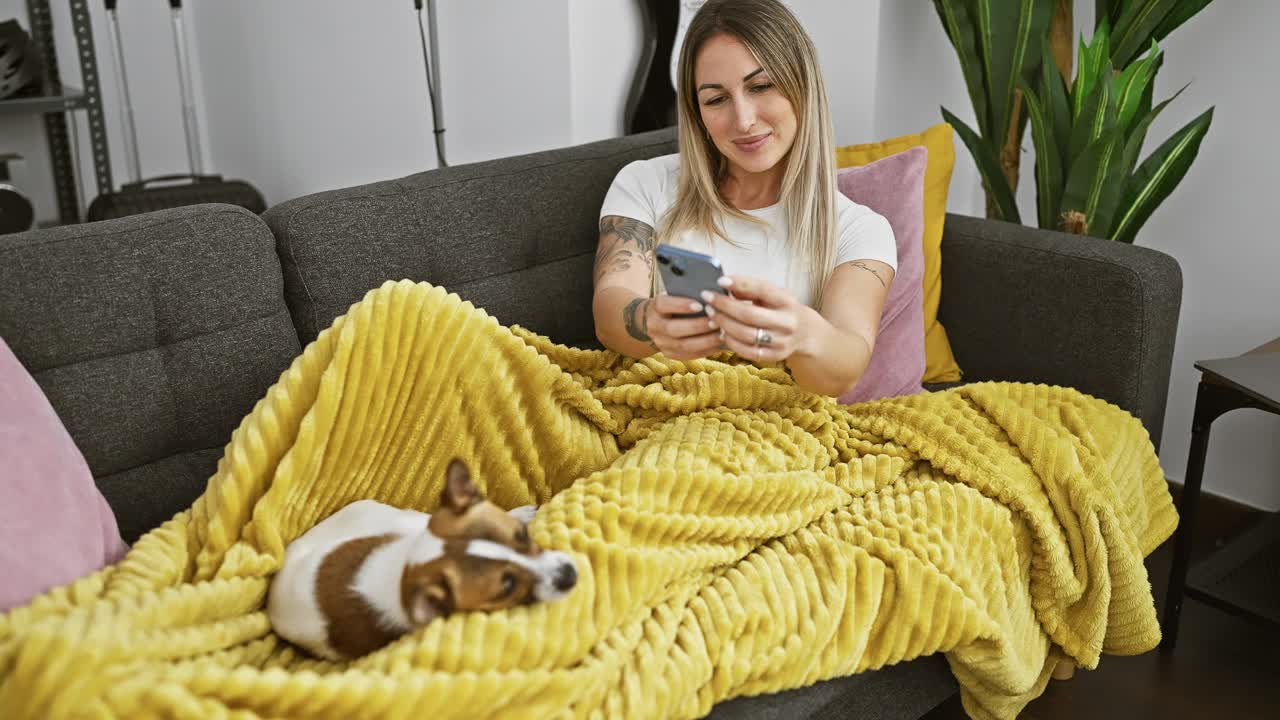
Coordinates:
(636, 319)
(860, 264)
(622, 242)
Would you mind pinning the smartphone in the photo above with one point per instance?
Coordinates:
(686, 273)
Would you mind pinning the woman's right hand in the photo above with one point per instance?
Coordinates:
(681, 338)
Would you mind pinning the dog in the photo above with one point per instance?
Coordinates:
(371, 572)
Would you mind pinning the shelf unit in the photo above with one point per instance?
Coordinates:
(56, 100)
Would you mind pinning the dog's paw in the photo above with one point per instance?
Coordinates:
(524, 513)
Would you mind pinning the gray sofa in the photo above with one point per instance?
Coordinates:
(154, 335)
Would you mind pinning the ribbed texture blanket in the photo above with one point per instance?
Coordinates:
(734, 535)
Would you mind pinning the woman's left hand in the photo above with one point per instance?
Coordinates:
(761, 321)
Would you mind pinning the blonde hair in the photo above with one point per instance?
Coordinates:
(774, 36)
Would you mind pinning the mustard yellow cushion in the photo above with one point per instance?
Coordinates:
(940, 364)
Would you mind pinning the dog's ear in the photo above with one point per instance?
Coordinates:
(459, 492)
(428, 602)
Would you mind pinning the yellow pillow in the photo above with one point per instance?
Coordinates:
(940, 364)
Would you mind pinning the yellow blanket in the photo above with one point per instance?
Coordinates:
(735, 535)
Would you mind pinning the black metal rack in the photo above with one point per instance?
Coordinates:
(58, 99)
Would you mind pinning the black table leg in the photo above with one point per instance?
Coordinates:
(1212, 400)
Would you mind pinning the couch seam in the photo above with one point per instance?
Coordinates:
(473, 281)
(131, 468)
(177, 341)
(552, 261)
(94, 236)
(315, 318)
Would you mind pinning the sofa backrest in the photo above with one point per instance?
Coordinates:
(152, 336)
(516, 236)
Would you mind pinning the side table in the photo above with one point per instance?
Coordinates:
(1243, 577)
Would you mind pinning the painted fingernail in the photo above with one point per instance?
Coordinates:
(725, 281)
(695, 306)
(712, 324)
(711, 312)
(707, 296)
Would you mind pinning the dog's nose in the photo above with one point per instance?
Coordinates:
(566, 577)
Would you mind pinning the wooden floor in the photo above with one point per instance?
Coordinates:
(1223, 667)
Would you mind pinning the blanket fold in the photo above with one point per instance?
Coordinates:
(734, 535)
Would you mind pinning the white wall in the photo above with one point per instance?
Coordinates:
(307, 95)
(847, 37)
(1219, 223)
(604, 48)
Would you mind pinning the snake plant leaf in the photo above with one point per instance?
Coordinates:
(1138, 134)
(1182, 11)
(958, 21)
(1134, 30)
(1048, 160)
(1053, 97)
(1131, 87)
(1110, 9)
(997, 40)
(1158, 175)
(1096, 181)
(1010, 31)
(1089, 67)
(1103, 8)
(1097, 116)
(985, 158)
(1148, 96)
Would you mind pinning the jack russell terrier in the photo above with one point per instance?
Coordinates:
(370, 572)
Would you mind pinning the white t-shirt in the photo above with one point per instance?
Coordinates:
(645, 189)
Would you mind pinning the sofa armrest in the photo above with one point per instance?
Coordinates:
(1030, 305)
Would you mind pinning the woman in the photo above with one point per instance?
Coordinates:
(754, 183)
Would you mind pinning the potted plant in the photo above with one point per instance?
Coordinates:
(1087, 130)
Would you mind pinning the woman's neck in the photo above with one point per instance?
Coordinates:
(751, 191)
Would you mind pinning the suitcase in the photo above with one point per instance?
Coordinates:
(167, 191)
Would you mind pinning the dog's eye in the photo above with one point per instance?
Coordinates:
(508, 583)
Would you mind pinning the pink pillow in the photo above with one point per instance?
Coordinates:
(894, 187)
(55, 526)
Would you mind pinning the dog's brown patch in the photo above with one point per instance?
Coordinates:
(483, 521)
(468, 582)
(353, 628)
(464, 514)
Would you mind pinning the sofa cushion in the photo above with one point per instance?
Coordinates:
(940, 365)
(509, 235)
(152, 336)
(47, 496)
(894, 188)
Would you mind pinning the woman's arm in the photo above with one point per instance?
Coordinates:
(622, 277)
(837, 342)
(627, 320)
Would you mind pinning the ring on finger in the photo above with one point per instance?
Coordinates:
(763, 337)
